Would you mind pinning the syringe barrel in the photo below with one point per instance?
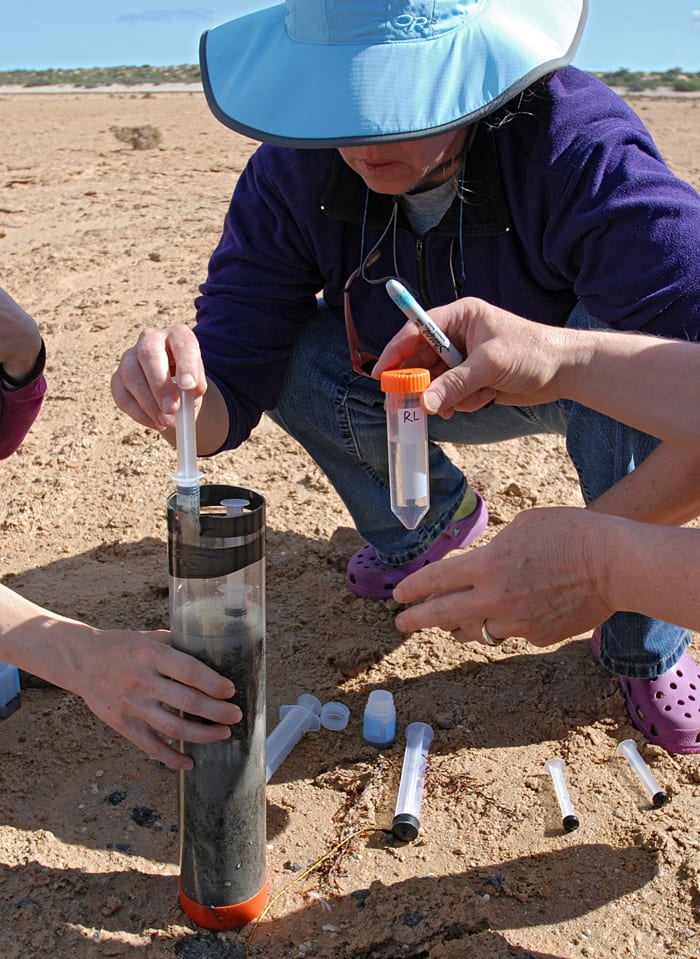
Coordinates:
(186, 440)
(222, 800)
(555, 767)
(407, 443)
(407, 814)
(294, 722)
(628, 749)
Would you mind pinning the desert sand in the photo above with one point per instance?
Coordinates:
(98, 240)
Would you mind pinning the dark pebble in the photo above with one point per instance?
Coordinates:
(115, 798)
(145, 816)
(412, 918)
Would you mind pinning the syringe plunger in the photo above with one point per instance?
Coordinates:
(187, 476)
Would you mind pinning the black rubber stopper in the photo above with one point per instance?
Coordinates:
(405, 827)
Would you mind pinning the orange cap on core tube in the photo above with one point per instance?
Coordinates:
(224, 917)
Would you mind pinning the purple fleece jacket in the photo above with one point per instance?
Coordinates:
(568, 198)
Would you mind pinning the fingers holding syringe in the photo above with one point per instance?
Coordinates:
(151, 373)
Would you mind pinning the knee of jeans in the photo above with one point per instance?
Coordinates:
(581, 319)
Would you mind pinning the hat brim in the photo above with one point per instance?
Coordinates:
(261, 83)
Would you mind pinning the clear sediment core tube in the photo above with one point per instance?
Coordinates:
(222, 800)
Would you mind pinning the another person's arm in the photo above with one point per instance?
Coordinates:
(132, 680)
(22, 384)
(649, 382)
(555, 572)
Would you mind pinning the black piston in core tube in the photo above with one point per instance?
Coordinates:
(217, 613)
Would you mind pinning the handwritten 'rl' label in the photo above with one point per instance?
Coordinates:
(411, 425)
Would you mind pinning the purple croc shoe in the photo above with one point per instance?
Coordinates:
(368, 576)
(665, 709)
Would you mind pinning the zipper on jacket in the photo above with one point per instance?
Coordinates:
(420, 273)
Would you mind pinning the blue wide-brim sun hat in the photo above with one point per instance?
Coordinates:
(326, 73)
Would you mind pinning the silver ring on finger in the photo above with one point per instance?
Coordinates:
(487, 637)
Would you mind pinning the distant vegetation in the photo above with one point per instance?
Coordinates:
(101, 76)
(675, 79)
(627, 81)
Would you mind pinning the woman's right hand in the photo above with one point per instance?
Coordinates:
(151, 373)
(509, 359)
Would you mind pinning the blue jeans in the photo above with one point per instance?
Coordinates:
(338, 417)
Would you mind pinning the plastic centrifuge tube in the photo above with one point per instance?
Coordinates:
(188, 476)
(555, 768)
(628, 749)
(407, 438)
(294, 722)
(406, 822)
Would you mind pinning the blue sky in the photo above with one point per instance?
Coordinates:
(36, 34)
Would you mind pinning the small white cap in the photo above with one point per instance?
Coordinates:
(334, 715)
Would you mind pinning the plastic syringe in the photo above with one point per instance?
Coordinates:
(236, 586)
(406, 822)
(555, 767)
(188, 476)
(628, 749)
(294, 722)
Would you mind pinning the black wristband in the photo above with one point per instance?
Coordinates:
(16, 383)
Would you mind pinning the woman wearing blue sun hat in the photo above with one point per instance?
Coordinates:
(451, 145)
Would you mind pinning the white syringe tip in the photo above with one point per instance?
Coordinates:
(310, 703)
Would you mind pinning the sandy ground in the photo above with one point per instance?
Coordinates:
(99, 240)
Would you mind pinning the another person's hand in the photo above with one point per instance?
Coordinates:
(142, 384)
(508, 359)
(138, 684)
(543, 578)
(20, 339)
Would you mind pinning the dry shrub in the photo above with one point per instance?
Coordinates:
(138, 138)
